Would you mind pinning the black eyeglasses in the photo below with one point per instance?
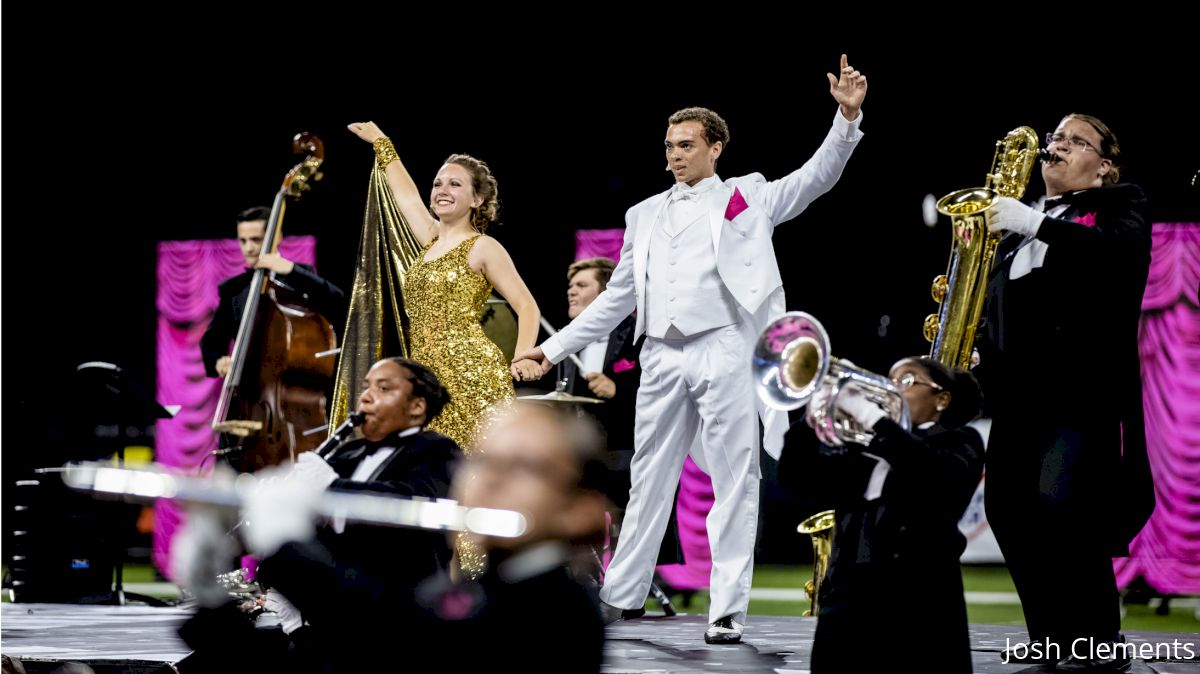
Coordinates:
(1075, 142)
(909, 380)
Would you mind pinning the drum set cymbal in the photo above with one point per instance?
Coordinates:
(499, 323)
(559, 397)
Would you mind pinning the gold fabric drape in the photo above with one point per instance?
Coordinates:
(375, 317)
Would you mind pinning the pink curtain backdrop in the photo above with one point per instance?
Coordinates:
(188, 275)
(695, 488)
(1167, 551)
(598, 243)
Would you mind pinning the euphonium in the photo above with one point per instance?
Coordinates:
(793, 367)
(820, 528)
(960, 291)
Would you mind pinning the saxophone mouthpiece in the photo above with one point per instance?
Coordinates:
(1048, 156)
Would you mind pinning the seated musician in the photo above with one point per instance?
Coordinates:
(322, 296)
(545, 463)
(338, 587)
(612, 371)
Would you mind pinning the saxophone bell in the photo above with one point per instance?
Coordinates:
(961, 290)
(820, 527)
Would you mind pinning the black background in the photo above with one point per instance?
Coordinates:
(121, 136)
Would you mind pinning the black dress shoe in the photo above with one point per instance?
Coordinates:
(1111, 659)
(724, 631)
(612, 614)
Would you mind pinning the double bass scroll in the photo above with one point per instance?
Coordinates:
(273, 400)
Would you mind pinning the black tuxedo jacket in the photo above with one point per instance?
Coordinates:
(369, 569)
(902, 547)
(473, 627)
(1061, 370)
(322, 296)
(616, 415)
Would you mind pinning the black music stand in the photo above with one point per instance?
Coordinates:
(111, 403)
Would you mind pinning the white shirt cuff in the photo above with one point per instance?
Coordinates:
(844, 128)
(552, 348)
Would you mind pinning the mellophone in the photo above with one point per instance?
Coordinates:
(101, 479)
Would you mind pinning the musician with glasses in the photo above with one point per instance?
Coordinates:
(539, 461)
(526, 612)
(897, 504)
(1069, 483)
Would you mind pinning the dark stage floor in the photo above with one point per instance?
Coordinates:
(143, 639)
(108, 638)
(782, 645)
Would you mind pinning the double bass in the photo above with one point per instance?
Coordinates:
(273, 400)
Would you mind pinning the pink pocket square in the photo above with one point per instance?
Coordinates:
(737, 204)
(1087, 220)
(623, 365)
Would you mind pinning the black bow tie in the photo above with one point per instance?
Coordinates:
(372, 447)
(390, 442)
(1068, 198)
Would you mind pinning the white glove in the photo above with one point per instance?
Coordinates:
(1010, 215)
(315, 469)
(199, 552)
(279, 510)
(289, 616)
(852, 401)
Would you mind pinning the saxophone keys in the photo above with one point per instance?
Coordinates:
(938, 289)
(931, 327)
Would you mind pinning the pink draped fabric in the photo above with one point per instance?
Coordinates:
(691, 514)
(188, 275)
(599, 243)
(695, 488)
(1167, 551)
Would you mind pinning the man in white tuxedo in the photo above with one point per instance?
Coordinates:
(698, 265)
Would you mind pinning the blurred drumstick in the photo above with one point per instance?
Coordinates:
(575, 359)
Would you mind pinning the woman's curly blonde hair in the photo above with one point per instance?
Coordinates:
(484, 184)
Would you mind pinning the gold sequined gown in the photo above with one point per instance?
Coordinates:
(445, 299)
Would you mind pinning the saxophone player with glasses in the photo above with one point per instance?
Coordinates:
(1069, 484)
(897, 495)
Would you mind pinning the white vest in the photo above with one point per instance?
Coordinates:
(684, 293)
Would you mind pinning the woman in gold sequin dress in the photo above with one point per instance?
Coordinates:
(447, 286)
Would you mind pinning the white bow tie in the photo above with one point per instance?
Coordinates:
(681, 194)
